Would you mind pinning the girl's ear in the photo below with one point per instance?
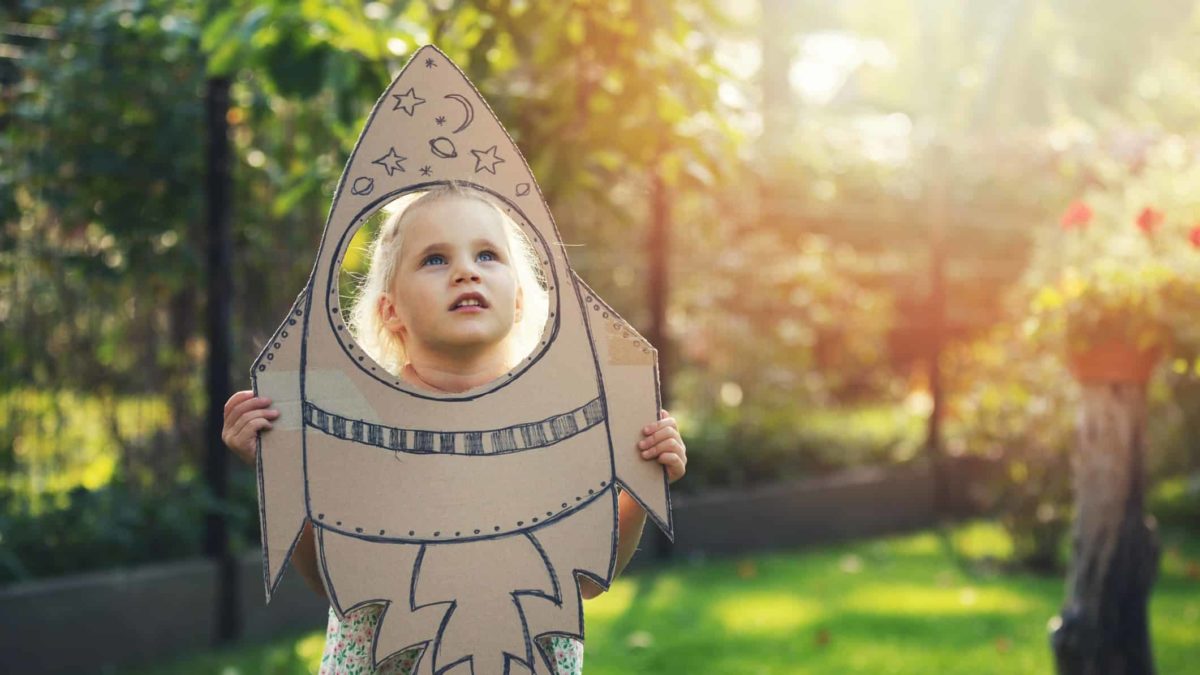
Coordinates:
(389, 314)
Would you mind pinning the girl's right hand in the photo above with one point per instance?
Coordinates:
(245, 416)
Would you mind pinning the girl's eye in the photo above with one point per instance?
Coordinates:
(435, 259)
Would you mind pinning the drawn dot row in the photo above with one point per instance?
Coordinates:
(282, 334)
(495, 528)
(616, 324)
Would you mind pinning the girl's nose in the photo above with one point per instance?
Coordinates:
(464, 272)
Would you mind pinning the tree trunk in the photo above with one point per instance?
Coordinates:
(1103, 628)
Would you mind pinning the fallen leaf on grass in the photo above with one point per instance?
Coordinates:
(823, 637)
(746, 569)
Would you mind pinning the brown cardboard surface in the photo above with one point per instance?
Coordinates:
(469, 517)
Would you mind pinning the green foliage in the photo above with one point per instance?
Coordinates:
(734, 446)
(1176, 503)
(778, 331)
(62, 440)
(116, 526)
(1015, 403)
(1178, 422)
(101, 260)
(769, 310)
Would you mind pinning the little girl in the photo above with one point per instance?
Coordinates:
(453, 299)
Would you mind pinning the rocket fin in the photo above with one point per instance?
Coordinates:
(584, 544)
(280, 465)
(628, 367)
(360, 572)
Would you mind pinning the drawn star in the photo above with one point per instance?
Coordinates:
(426, 170)
(491, 156)
(408, 101)
(430, 63)
(440, 119)
(391, 161)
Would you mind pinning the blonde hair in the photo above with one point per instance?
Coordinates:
(385, 346)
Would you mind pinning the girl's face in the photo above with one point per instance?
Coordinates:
(455, 287)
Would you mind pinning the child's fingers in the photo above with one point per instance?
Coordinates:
(664, 422)
(663, 434)
(670, 459)
(252, 403)
(246, 444)
(652, 429)
(253, 428)
(236, 399)
(250, 417)
(247, 417)
(674, 445)
(676, 465)
(248, 405)
(663, 444)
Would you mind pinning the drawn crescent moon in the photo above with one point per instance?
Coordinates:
(467, 108)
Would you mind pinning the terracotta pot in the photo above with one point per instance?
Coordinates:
(1114, 361)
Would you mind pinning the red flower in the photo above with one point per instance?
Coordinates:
(1077, 214)
(1149, 220)
(1194, 235)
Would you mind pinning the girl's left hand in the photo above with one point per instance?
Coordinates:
(663, 442)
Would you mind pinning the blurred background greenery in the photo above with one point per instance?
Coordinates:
(861, 196)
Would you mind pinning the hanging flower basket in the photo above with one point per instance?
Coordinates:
(1114, 361)
(1116, 286)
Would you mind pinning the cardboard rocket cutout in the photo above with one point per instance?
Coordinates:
(468, 517)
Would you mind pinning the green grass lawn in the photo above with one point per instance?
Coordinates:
(921, 604)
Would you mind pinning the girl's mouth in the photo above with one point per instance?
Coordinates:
(470, 303)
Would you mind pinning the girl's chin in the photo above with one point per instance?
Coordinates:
(474, 340)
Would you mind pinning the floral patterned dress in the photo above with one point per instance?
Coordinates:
(348, 648)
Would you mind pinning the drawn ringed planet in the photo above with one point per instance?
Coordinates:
(443, 147)
(470, 111)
